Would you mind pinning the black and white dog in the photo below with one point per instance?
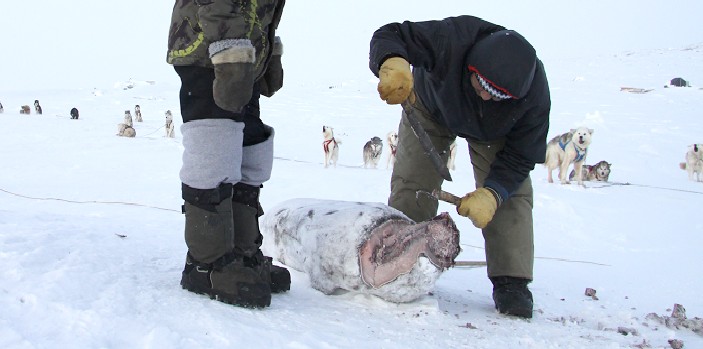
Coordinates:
(74, 113)
(372, 152)
(138, 113)
(169, 125)
(37, 107)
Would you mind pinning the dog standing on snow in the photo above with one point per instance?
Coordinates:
(694, 162)
(74, 113)
(169, 125)
(598, 172)
(37, 107)
(392, 140)
(452, 156)
(372, 152)
(330, 146)
(1, 108)
(565, 149)
(138, 113)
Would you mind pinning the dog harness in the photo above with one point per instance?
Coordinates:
(326, 144)
(580, 154)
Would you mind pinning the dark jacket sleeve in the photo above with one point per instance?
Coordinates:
(424, 44)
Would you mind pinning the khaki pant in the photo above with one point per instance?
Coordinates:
(509, 236)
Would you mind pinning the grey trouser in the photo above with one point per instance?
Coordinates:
(508, 238)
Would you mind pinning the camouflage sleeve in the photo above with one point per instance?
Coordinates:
(227, 23)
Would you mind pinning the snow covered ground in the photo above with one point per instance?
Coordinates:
(91, 235)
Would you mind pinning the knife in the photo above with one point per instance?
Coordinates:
(439, 164)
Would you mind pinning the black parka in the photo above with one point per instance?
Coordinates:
(441, 53)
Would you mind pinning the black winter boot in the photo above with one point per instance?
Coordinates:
(512, 297)
(228, 280)
(246, 211)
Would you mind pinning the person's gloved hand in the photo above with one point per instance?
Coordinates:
(396, 80)
(272, 80)
(479, 206)
(234, 77)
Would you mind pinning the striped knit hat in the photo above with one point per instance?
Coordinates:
(489, 87)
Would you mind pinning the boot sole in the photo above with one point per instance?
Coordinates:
(258, 301)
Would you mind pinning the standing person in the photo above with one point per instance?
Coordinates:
(481, 82)
(226, 54)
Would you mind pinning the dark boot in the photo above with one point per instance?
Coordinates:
(246, 211)
(512, 297)
(212, 267)
(227, 280)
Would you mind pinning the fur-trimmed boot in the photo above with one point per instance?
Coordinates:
(212, 266)
(246, 211)
(512, 297)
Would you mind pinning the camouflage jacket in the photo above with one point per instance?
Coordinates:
(195, 24)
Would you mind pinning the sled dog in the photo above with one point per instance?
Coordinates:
(330, 146)
(138, 113)
(74, 113)
(169, 125)
(452, 156)
(1, 108)
(125, 130)
(37, 107)
(392, 140)
(694, 162)
(598, 172)
(565, 149)
(372, 152)
(25, 109)
(128, 118)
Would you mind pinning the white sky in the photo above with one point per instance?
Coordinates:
(50, 44)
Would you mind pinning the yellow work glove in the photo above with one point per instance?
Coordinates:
(479, 206)
(396, 80)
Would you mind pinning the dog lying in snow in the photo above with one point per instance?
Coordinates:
(694, 162)
(598, 172)
(25, 109)
(372, 152)
(565, 149)
(392, 140)
(361, 247)
(125, 130)
(330, 146)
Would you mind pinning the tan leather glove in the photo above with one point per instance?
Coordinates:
(479, 206)
(396, 80)
(234, 77)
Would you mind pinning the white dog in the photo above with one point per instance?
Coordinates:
(694, 162)
(392, 140)
(138, 113)
(128, 118)
(169, 125)
(330, 146)
(125, 130)
(372, 152)
(565, 149)
(452, 156)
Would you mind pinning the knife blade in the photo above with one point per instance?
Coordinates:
(425, 141)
